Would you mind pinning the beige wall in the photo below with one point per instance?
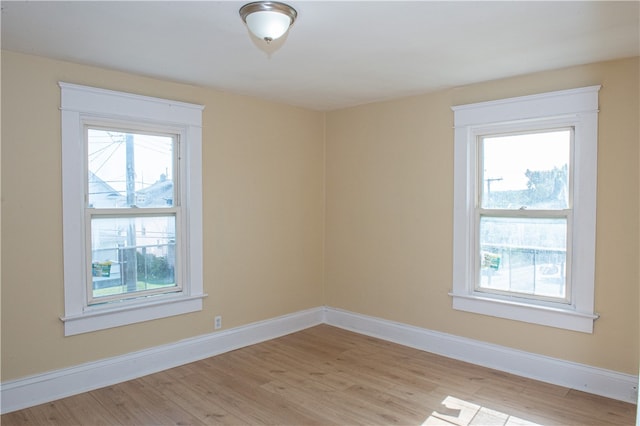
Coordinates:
(263, 215)
(389, 183)
(387, 231)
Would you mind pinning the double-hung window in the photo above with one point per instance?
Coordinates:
(524, 208)
(132, 208)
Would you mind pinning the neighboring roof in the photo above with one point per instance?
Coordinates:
(160, 194)
(101, 194)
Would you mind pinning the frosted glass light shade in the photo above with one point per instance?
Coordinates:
(268, 25)
(268, 20)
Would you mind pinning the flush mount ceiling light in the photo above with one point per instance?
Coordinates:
(268, 20)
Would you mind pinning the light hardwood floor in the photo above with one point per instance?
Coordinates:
(328, 376)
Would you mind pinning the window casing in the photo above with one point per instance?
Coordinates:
(515, 251)
(132, 249)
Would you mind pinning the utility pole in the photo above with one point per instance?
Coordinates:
(130, 258)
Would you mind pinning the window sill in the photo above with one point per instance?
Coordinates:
(109, 316)
(535, 314)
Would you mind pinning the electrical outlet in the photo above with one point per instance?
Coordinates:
(217, 322)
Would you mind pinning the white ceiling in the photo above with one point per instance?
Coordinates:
(337, 54)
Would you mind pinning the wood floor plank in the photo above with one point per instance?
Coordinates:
(124, 409)
(329, 376)
(201, 404)
(86, 409)
(244, 399)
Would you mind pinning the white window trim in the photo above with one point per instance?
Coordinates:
(80, 104)
(577, 108)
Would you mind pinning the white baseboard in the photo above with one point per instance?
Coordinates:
(41, 388)
(610, 384)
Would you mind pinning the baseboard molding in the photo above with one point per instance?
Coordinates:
(582, 377)
(41, 388)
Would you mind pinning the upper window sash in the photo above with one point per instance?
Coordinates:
(138, 131)
(498, 152)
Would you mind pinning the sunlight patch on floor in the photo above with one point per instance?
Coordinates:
(460, 412)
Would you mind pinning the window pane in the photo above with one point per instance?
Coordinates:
(523, 255)
(130, 255)
(526, 170)
(130, 169)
